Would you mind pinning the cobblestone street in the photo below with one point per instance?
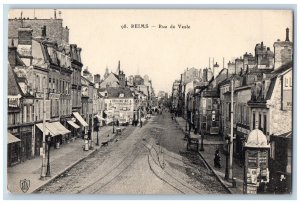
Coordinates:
(148, 160)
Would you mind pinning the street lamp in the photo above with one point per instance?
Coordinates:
(96, 128)
(113, 124)
(227, 159)
(201, 145)
(97, 136)
(48, 138)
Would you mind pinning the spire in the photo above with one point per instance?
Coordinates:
(119, 68)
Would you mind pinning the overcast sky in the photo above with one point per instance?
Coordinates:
(163, 54)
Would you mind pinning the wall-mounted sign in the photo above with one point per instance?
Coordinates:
(13, 102)
(39, 95)
(243, 130)
(27, 101)
(24, 50)
(54, 96)
(287, 103)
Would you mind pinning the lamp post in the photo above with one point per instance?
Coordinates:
(201, 145)
(48, 137)
(44, 138)
(227, 160)
(113, 124)
(97, 136)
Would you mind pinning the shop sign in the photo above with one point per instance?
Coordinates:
(13, 102)
(287, 99)
(24, 50)
(27, 101)
(39, 95)
(26, 129)
(54, 96)
(243, 130)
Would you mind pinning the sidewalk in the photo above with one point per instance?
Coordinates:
(61, 160)
(211, 143)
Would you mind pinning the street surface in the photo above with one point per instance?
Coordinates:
(148, 160)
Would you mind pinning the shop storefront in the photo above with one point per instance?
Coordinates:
(75, 129)
(242, 131)
(13, 150)
(56, 130)
(24, 134)
(80, 122)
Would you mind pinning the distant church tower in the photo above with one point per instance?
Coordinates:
(122, 79)
(106, 73)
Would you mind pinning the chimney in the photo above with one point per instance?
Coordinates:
(12, 53)
(97, 78)
(24, 36)
(287, 35)
(44, 34)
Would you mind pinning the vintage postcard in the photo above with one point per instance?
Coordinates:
(150, 101)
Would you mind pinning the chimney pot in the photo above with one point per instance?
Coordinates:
(287, 35)
(44, 31)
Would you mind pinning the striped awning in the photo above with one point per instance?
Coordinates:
(80, 119)
(11, 138)
(60, 128)
(74, 125)
(54, 129)
(47, 131)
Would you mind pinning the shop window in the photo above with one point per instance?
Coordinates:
(259, 122)
(28, 113)
(24, 114)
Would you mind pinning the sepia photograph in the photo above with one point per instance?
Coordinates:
(149, 101)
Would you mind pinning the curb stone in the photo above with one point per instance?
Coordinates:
(69, 167)
(206, 163)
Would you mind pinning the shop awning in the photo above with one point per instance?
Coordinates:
(80, 119)
(11, 139)
(47, 131)
(74, 125)
(287, 135)
(60, 128)
(54, 129)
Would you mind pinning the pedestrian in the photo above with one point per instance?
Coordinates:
(262, 188)
(281, 186)
(217, 159)
(82, 134)
(141, 123)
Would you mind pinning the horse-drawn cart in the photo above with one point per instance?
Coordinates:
(192, 139)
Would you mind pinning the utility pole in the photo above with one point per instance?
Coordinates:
(43, 170)
(92, 128)
(231, 133)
